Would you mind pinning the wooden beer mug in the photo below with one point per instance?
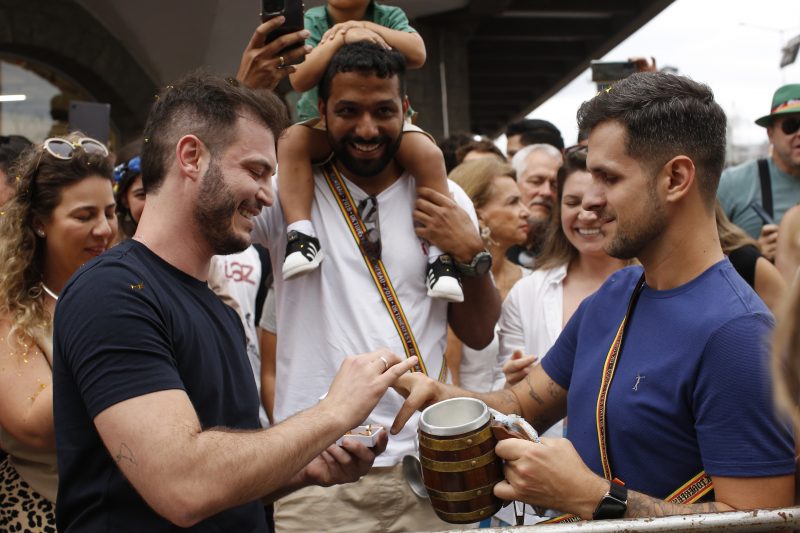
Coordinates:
(459, 466)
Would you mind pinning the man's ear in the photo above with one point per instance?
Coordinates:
(678, 174)
(191, 156)
(770, 132)
(405, 107)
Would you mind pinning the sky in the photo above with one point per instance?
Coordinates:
(734, 46)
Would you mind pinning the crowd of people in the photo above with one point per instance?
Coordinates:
(190, 332)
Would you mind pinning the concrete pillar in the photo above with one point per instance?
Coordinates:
(445, 73)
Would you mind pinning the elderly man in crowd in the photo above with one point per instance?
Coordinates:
(537, 167)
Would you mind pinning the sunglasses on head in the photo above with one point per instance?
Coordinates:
(65, 150)
(576, 152)
(790, 125)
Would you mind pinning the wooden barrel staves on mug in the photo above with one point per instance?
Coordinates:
(459, 466)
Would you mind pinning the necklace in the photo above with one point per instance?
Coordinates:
(53, 295)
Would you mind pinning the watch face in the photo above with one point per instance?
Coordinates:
(483, 262)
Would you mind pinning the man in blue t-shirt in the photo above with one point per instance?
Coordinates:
(663, 372)
(156, 408)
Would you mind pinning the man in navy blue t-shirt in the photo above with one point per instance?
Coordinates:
(664, 371)
(156, 408)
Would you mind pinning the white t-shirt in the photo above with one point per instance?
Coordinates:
(269, 316)
(235, 279)
(336, 310)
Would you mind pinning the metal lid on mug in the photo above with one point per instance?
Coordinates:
(454, 417)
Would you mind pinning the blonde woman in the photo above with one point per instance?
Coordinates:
(503, 219)
(61, 217)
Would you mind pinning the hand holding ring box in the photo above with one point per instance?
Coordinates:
(366, 435)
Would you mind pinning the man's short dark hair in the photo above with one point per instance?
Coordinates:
(449, 147)
(207, 106)
(366, 58)
(664, 115)
(11, 146)
(535, 131)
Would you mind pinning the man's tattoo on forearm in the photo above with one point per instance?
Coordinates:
(554, 390)
(533, 394)
(640, 505)
(510, 400)
(125, 454)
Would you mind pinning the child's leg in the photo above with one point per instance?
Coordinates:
(296, 150)
(422, 158)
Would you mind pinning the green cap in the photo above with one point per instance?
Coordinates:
(785, 100)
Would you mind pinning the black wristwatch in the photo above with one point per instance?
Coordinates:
(479, 265)
(614, 503)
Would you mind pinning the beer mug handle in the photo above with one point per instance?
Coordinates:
(412, 471)
(508, 426)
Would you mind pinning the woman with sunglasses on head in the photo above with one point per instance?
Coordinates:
(61, 217)
(503, 219)
(572, 265)
(129, 192)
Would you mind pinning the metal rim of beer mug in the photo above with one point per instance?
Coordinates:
(454, 417)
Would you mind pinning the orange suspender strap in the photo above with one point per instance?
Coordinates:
(689, 492)
(376, 268)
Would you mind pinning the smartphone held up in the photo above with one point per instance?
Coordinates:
(292, 10)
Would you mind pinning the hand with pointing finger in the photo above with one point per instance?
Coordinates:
(362, 381)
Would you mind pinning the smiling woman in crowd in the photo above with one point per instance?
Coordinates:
(572, 266)
(61, 217)
(503, 219)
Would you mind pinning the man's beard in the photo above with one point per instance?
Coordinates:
(214, 214)
(361, 167)
(627, 244)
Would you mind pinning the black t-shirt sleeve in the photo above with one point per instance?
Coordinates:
(113, 339)
(744, 261)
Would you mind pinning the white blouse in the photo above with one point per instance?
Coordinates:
(531, 318)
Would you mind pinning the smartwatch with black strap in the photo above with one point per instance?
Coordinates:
(614, 503)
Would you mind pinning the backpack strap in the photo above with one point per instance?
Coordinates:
(766, 187)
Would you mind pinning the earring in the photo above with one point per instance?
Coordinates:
(486, 235)
(40, 233)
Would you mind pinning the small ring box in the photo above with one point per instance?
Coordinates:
(366, 435)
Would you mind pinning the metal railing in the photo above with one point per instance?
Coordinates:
(757, 520)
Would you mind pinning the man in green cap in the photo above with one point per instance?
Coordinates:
(772, 184)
